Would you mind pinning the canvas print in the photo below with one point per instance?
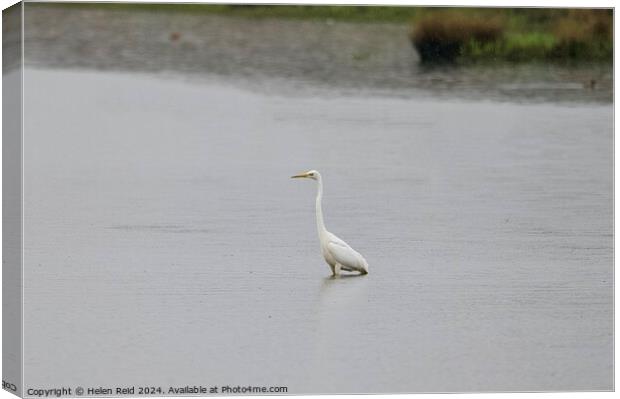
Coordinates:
(216, 199)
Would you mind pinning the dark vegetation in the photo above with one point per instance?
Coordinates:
(521, 34)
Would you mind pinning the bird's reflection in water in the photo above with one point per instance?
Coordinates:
(342, 317)
(342, 277)
(343, 293)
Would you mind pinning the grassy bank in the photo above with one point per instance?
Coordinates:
(335, 13)
(466, 35)
(448, 34)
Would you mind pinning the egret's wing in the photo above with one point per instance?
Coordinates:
(333, 239)
(345, 255)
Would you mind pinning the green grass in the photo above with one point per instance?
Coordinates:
(340, 13)
(512, 47)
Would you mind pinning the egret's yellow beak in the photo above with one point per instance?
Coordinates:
(301, 175)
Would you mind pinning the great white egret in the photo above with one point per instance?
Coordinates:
(337, 253)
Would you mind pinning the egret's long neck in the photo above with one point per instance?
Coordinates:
(319, 211)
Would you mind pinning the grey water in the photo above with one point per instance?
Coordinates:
(165, 244)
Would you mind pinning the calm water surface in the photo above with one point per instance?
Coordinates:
(166, 245)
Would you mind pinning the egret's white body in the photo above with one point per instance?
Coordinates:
(337, 253)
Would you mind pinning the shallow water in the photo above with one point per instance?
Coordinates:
(166, 244)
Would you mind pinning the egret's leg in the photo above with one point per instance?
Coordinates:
(337, 269)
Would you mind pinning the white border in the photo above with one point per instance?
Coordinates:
(483, 3)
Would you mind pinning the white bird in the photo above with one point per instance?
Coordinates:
(337, 253)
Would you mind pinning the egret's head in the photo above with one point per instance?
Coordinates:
(311, 174)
